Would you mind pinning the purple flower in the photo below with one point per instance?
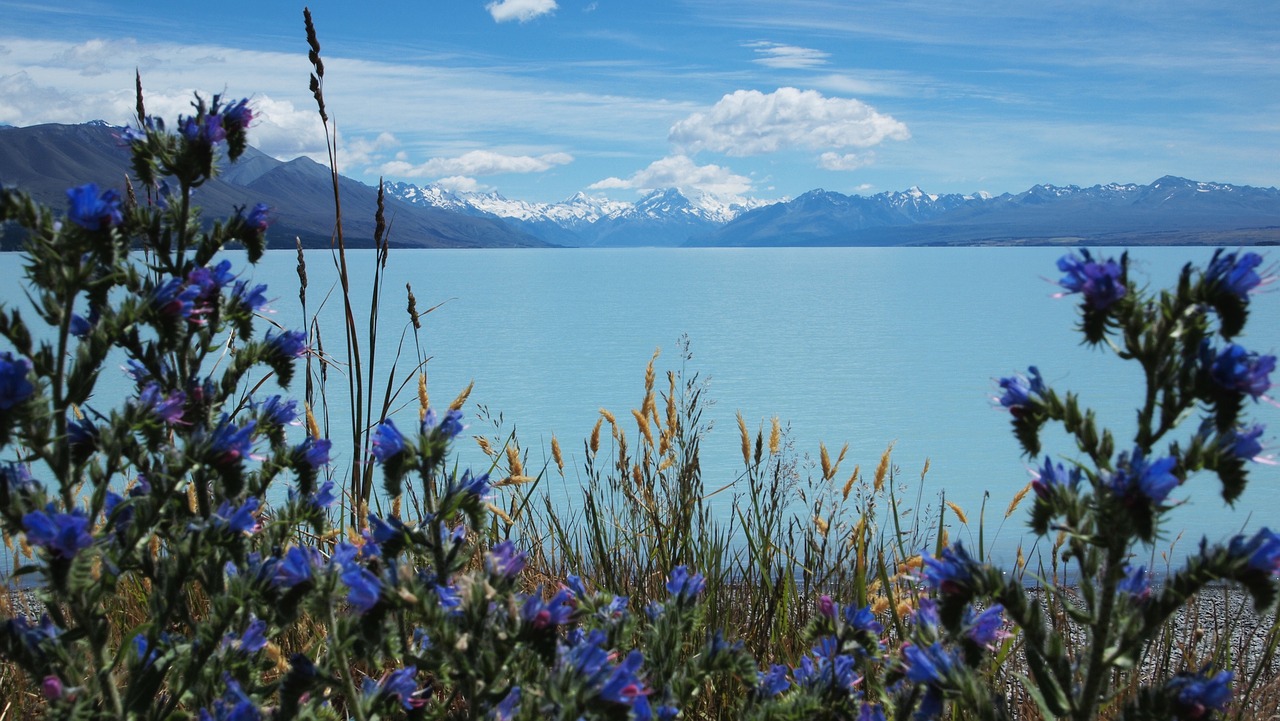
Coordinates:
(63, 534)
(168, 409)
(275, 411)
(862, 619)
(828, 670)
(930, 665)
(448, 596)
(1237, 369)
(79, 325)
(253, 299)
(624, 685)
(314, 452)
(1139, 481)
(231, 444)
(257, 218)
(210, 281)
(871, 712)
(295, 567)
(1135, 584)
(14, 386)
(387, 441)
(235, 705)
(450, 427)
(401, 686)
(16, 478)
(549, 614)
(383, 531)
(505, 560)
(986, 628)
(253, 639)
(1053, 476)
(237, 115)
(926, 615)
(773, 682)
(238, 520)
(506, 708)
(289, 344)
(92, 211)
(324, 496)
(1262, 551)
(174, 298)
(1196, 694)
(1235, 274)
(826, 607)
(202, 129)
(952, 572)
(1019, 389)
(1243, 443)
(51, 687)
(685, 587)
(469, 484)
(1101, 283)
(365, 588)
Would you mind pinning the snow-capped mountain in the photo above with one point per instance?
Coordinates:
(663, 217)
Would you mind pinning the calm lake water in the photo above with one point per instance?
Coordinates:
(864, 346)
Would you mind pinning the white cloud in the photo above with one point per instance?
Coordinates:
(460, 184)
(522, 10)
(679, 171)
(777, 55)
(476, 162)
(749, 122)
(843, 161)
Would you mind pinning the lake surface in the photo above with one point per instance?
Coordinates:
(864, 346)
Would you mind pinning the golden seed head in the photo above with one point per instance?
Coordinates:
(1017, 499)
(313, 428)
(826, 461)
(485, 447)
(461, 400)
(775, 436)
(883, 469)
(956, 509)
(556, 455)
(746, 440)
(595, 436)
(513, 460)
(848, 485)
(642, 422)
(879, 605)
(821, 524)
(608, 416)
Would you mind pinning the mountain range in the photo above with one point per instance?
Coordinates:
(45, 160)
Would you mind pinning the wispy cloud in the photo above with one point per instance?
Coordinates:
(777, 55)
(521, 10)
(679, 171)
(476, 162)
(843, 161)
(748, 122)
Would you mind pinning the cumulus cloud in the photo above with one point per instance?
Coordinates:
(476, 162)
(843, 161)
(679, 171)
(777, 55)
(460, 184)
(749, 122)
(521, 10)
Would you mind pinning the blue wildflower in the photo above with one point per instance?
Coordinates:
(1019, 390)
(252, 299)
(1235, 274)
(448, 596)
(1138, 481)
(14, 386)
(387, 441)
(210, 281)
(237, 115)
(235, 705)
(469, 484)
(231, 444)
(82, 436)
(683, 586)
(871, 712)
(505, 560)
(1100, 282)
(1262, 551)
(1053, 476)
(16, 478)
(952, 572)
(926, 616)
(174, 298)
(1237, 369)
(1243, 443)
(929, 665)
(507, 707)
(275, 411)
(548, 614)
(1135, 584)
(862, 619)
(63, 534)
(986, 628)
(253, 639)
(382, 531)
(295, 567)
(770, 684)
(80, 326)
(624, 686)
(91, 210)
(314, 452)
(289, 344)
(324, 496)
(365, 588)
(167, 408)
(1195, 694)
(827, 670)
(238, 520)
(574, 583)
(202, 129)
(401, 686)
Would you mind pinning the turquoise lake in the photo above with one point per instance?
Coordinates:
(864, 346)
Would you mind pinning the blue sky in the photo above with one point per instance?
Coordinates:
(540, 99)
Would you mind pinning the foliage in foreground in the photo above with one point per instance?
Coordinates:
(281, 611)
